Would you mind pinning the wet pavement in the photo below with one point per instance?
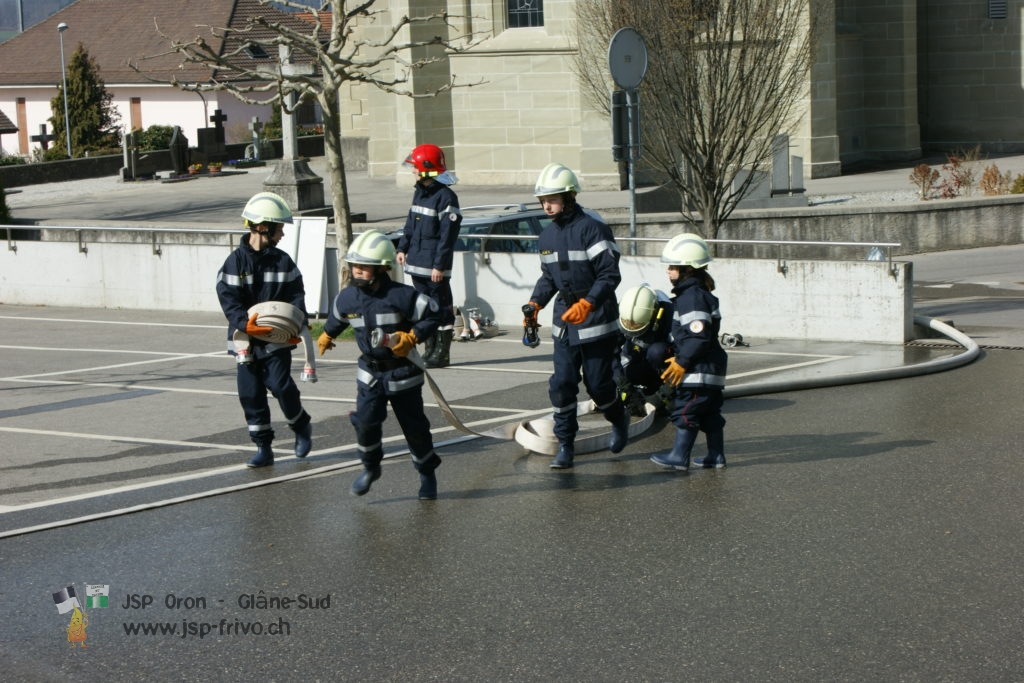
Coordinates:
(866, 531)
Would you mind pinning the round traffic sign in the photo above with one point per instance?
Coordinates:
(627, 58)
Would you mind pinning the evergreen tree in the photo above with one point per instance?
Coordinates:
(94, 120)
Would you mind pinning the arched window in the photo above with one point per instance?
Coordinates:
(525, 13)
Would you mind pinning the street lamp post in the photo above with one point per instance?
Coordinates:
(61, 27)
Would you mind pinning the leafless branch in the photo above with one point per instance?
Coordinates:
(724, 78)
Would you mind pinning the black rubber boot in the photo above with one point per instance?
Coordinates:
(304, 440)
(264, 456)
(361, 486)
(679, 457)
(428, 480)
(620, 433)
(428, 486)
(563, 459)
(442, 349)
(429, 348)
(716, 452)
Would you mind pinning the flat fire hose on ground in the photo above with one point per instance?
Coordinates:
(535, 435)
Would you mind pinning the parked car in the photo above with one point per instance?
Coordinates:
(499, 228)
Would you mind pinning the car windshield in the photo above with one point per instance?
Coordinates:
(502, 234)
(512, 229)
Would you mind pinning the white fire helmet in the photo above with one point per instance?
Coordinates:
(371, 248)
(687, 249)
(266, 207)
(636, 308)
(556, 178)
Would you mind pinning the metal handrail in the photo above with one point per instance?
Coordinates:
(482, 250)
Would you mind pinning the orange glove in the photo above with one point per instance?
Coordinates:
(324, 342)
(405, 342)
(578, 312)
(251, 328)
(295, 340)
(673, 374)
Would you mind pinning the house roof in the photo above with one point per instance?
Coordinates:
(114, 32)
(6, 125)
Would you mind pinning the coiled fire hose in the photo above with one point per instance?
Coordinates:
(286, 322)
(534, 435)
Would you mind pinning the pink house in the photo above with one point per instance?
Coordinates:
(115, 33)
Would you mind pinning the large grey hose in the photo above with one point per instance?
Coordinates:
(971, 352)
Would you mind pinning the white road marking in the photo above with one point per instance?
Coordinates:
(209, 473)
(111, 322)
(115, 366)
(505, 415)
(172, 354)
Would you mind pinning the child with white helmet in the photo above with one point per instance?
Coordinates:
(371, 302)
(698, 367)
(645, 320)
(257, 272)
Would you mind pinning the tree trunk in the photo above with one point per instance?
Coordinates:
(336, 171)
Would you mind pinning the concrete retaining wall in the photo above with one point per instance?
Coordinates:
(825, 300)
(798, 299)
(919, 227)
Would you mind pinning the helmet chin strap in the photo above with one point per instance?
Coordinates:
(363, 283)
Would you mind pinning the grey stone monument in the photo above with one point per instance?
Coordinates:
(291, 177)
(261, 149)
(136, 166)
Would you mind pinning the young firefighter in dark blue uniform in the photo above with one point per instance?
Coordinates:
(255, 272)
(645, 320)
(372, 300)
(698, 368)
(579, 263)
(427, 245)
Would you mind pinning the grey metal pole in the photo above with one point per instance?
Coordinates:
(61, 27)
(631, 155)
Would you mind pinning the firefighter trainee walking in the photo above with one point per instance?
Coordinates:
(580, 270)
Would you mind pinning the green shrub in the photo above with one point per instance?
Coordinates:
(317, 328)
(155, 137)
(1018, 184)
(10, 160)
(52, 154)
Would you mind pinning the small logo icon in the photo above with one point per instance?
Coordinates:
(67, 601)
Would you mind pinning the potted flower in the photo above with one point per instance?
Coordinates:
(195, 168)
(214, 166)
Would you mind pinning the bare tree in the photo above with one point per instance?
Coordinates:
(349, 42)
(724, 78)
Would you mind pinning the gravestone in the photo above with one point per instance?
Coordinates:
(44, 139)
(779, 186)
(211, 141)
(178, 148)
(137, 165)
(261, 149)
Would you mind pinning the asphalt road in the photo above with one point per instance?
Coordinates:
(860, 533)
